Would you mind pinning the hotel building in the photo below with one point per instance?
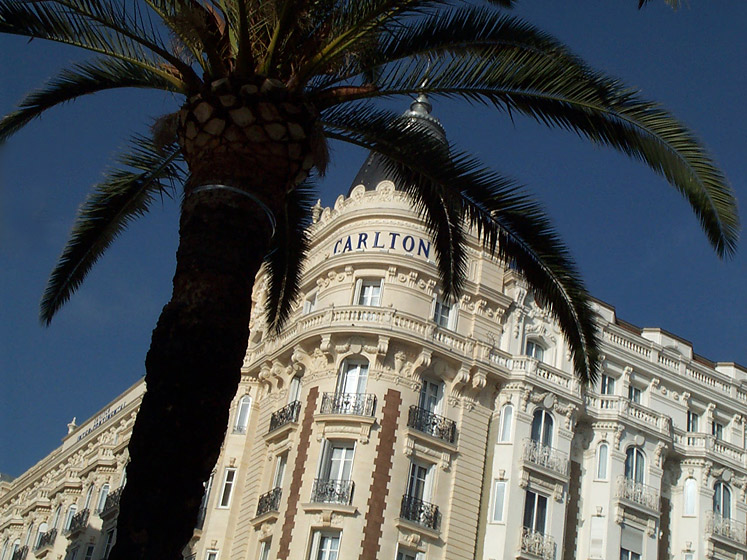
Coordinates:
(386, 422)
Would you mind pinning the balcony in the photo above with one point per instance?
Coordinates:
(269, 502)
(537, 545)
(46, 541)
(704, 444)
(432, 424)
(538, 454)
(332, 491)
(420, 512)
(728, 529)
(612, 406)
(637, 493)
(355, 404)
(111, 505)
(285, 415)
(20, 554)
(78, 523)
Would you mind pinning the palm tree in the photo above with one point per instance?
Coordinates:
(265, 85)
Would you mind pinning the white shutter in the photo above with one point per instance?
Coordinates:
(357, 294)
(632, 540)
(453, 314)
(596, 537)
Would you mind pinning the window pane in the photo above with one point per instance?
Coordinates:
(539, 521)
(225, 498)
(602, 461)
(506, 419)
(500, 495)
(689, 495)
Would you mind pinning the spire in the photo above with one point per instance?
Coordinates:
(372, 172)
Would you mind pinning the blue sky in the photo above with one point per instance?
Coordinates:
(636, 241)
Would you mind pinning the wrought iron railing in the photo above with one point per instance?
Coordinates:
(269, 501)
(112, 501)
(20, 554)
(537, 544)
(545, 456)
(358, 404)
(46, 539)
(332, 491)
(638, 493)
(420, 512)
(726, 528)
(78, 521)
(285, 415)
(432, 424)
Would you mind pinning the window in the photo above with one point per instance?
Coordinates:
(294, 390)
(89, 497)
(29, 532)
(72, 554)
(692, 421)
(353, 377)
(228, 480)
(405, 554)
(264, 550)
(420, 481)
(69, 519)
(628, 555)
(337, 460)
(89, 552)
(280, 470)
(722, 500)
(15, 547)
(431, 395)
(535, 512)
(325, 546)
(110, 534)
(242, 416)
(635, 465)
(211, 555)
(102, 497)
(542, 425)
(444, 313)
(634, 394)
(688, 556)
(717, 430)
(43, 528)
(56, 518)
(309, 304)
(507, 415)
(368, 292)
(535, 351)
(596, 537)
(689, 493)
(5, 549)
(602, 454)
(607, 386)
(499, 498)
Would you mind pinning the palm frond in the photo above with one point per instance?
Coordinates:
(509, 224)
(559, 91)
(124, 195)
(88, 77)
(287, 254)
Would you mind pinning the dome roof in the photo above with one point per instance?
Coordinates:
(373, 170)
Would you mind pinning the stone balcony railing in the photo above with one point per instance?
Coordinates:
(610, 405)
(285, 415)
(269, 501)
(537, 544)
(637, 493)
(728, 529)
(432, 424)
(46, 539)
(357, 404)
(706, 443)
(327, 491)
(537, 453)
(420, 512)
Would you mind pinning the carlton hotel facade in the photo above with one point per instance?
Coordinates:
(386, 423)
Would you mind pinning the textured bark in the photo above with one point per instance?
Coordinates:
(198, 346)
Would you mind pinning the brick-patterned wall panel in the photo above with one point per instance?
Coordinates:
(379, 490)
(304, 438)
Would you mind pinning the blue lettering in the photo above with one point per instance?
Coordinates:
(394, 237)
(362, 240)
(426, 249)
(337, 246)
(408, 240)
(376, 241)
(348, 245)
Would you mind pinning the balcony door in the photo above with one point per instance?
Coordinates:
(542, 425)
(635, 465)
(535, 512)
(338, 461)
(353, 377)
(420, 482)
(431, 395)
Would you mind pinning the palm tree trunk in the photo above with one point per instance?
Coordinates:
(192, 373)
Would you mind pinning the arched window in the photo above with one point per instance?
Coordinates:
(69, 518)
(102, 497)
(29, 531)
(542, 424)
(5, 549)
(722, 500)
(43, 528)
(602, 459)
(294, 390)
(635, 465)
(689, 493)
(56, 518)
(353, 376)
(15, 547)
(535, 350)
(507, 418)
(89, 497)
(242, 416)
